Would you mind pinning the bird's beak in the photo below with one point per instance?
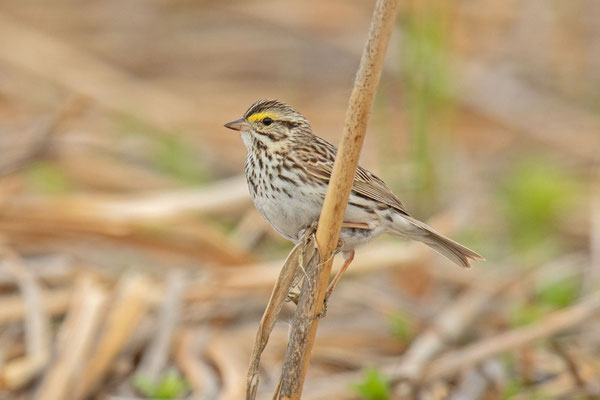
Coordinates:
(238, 125)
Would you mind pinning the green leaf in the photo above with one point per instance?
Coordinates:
(551, 296)
(425, 72)
(535, 194)
(559, 294)
(170, 386)
(527, 314)
(176, 158)
(373, 386)
(401, 326)
(166, 150)
(512, 389)
(47, 178)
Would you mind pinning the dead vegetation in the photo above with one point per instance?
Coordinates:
(132, 264)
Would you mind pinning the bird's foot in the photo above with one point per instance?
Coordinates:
(323, 313)
(340, 245)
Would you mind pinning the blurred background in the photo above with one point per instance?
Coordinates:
(134, 266)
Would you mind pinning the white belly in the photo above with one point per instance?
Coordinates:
(288, 215)
(290, 206)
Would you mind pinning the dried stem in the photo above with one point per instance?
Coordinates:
(127, 310)
(75, 340)
(156, 357)
(17, 373)
(556, 322)
(42, 139)
(304, 325)
(302, 251)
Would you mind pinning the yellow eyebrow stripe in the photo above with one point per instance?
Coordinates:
(261, 116)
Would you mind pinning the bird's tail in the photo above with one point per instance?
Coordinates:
(407, 226)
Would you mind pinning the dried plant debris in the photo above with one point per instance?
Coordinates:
(133, 265)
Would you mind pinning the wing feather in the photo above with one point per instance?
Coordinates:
(318, 160)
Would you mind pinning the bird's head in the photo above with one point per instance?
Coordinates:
(270, 122)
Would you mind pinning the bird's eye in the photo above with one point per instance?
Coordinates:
(267, 121)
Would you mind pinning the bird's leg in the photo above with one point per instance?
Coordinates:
(348, 257)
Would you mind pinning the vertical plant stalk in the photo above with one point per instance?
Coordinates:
(304, 250)
(310, 302)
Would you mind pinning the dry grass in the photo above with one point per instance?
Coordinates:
(133, 265)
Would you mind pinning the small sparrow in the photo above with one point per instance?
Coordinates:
(288, 170)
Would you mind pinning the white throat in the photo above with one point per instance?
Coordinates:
(248, 139)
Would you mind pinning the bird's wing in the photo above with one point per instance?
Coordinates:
(317, 159)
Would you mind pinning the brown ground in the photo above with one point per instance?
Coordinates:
(130, 247)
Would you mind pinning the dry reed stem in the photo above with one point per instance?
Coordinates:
(221, 197)
(75, 340)
(472, 385)
(125, 313)
(447, 327)
(125, 217)
(157, 353)
(19, 372)
(99, 171)
(37, 332)
(310, 303)
(572, 365)
(202, 378)
(39, 145)
(263, 275)
(13, 308)
(224, 353)
(583, 367)
(592, 275)
(538, 113)
(54, 270)
(300, 254)
(83, 73)
(556, 322)
(180, 239)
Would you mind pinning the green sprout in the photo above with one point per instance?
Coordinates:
(559, 294)
(535, 195)
(47, 178)
(373, 386)
(170, 386)
(401, 326)
(425, 71)
(167, 151)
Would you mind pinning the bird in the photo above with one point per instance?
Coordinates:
(288, 169)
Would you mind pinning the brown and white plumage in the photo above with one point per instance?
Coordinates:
(288, 170)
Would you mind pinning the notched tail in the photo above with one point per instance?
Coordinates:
(450, 249)
(417, 230)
